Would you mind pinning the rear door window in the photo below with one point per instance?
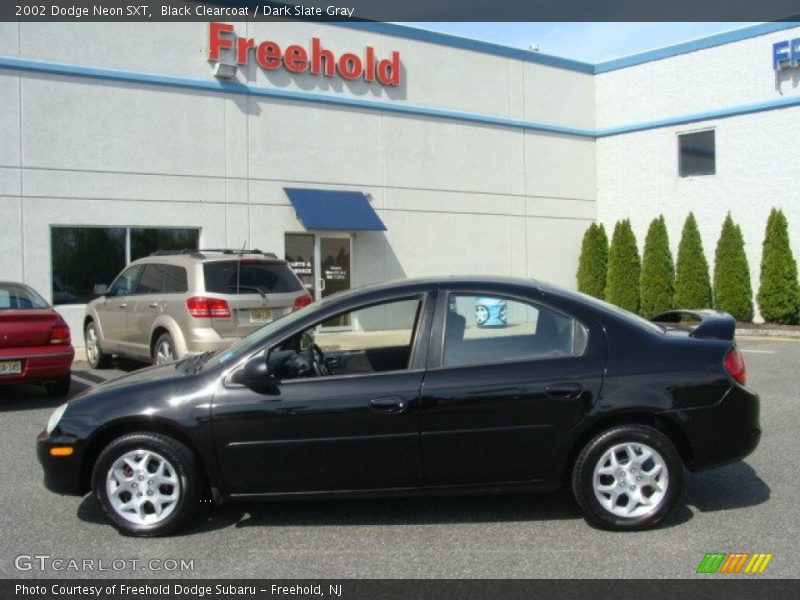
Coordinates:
(250, 277)
(174, 280)
(490, 329)
(166, 279)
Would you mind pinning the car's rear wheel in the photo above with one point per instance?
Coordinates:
(146, 483)
(59, 388)
(95, 356)
(627, 478)
(164, 350)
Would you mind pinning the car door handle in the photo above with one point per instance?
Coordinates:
(389, 404)
(153, 305)
(123, 305)
(564, 391)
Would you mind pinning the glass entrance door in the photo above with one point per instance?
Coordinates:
(322, 262)
(300, 256)
(334, 262)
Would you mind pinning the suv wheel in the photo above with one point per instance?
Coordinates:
(146, 483)
(95, 356)
(627, 478)
(164, 350)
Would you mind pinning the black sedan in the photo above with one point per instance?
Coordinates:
(407, 387)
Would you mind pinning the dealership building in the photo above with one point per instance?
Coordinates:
(371, 152)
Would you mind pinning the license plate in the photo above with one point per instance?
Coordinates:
(10, 367)
(260, 315)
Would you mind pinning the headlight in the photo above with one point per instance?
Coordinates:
(55, 418)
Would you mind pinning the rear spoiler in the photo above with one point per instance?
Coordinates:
(699, 323)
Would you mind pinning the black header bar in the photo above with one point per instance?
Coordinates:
(401, 10)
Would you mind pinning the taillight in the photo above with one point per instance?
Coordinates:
(60, 334)
(302, 301)
(201, 307)
(734, 365)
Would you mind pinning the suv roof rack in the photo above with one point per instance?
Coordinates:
(199, 253)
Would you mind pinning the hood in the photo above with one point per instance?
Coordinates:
(152, 391)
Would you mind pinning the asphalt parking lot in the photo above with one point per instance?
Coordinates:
(750, 506)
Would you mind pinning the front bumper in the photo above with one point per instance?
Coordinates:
(723, 433)
(62, 474)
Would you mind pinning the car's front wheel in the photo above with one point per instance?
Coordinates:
(627, 478)
(146, 483)
(95, 356)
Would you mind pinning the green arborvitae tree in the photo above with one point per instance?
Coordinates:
(622, 283)
(692, 283)
(593, 262)
(732, 290)
(658, 271)
(778, 295)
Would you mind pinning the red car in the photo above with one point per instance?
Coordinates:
(35, 344)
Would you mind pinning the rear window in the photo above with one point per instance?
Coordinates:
(246, 277)
(167, 279)
(20, 297)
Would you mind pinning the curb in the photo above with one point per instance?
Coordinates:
(776, 333)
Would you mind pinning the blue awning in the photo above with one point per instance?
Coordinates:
(333, 209)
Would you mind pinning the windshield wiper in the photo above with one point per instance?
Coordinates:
(248, 287)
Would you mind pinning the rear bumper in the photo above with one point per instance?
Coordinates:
(39, 364)
(723, 433)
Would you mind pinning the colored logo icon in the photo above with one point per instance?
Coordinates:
(735, 562)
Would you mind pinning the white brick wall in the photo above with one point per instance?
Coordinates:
(756, 164)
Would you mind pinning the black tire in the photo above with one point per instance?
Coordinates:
(164, 340)
(59, 388)
(595, 513)
(100, 360)
(186, 470)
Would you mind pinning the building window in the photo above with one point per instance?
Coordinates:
(84, 256)
(696, 153)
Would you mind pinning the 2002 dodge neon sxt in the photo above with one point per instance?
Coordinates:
(395, 389)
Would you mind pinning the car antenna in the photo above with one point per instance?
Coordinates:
(239, 267)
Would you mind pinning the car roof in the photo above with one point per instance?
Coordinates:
(415, 283)
(205, 256)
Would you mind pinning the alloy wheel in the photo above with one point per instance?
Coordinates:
(143, 487)
(164, 352)
(630, 480)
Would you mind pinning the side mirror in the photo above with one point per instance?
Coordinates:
(100, 289)
(254, 374)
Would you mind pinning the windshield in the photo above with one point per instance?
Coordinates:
(254, 340)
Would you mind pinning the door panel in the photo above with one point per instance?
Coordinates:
(345, 430)
(498, 423)
(504, 390)
(113, 311)
(320, 434)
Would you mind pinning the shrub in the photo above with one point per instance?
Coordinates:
(658, 271)
(692, 283)
(778, 295)
(732, 290)
(622, 283)
(593, 262)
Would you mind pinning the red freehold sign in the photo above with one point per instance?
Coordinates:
(316, 60)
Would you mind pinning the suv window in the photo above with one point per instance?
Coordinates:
(125, 283)
(491, 329)
(253, 277)
(168, 279)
